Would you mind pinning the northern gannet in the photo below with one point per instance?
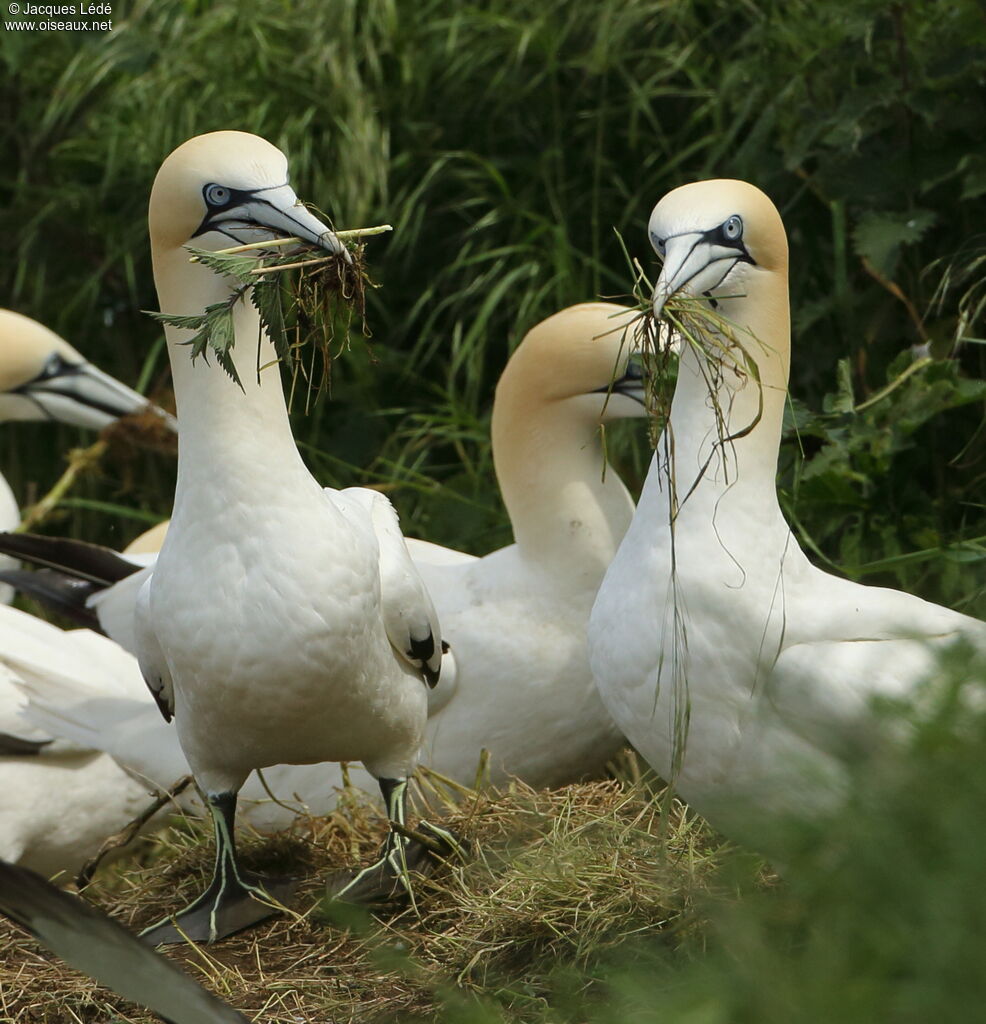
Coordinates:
(265, 629)
(43, 378)
(738, 669)
(61, 800)
(516, 618)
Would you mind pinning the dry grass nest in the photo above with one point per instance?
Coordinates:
(556, 878)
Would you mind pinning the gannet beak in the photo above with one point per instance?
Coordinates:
(275, 209)
(697, 262)
(686, 261)
(82, 395)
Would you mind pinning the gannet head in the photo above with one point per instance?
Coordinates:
(43, 378)
(229, 188)
(581, 356)
(715, 238)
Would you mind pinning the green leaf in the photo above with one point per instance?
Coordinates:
(973, 168)
(186, 323)
(233, 265)
(267, 296)
(879, 236)
(843, 400)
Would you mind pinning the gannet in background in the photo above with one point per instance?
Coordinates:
(43, 378)
(264, 629)
(62, 796)
(737, 668)
(90, 941)
(515, 619)
(60, 800)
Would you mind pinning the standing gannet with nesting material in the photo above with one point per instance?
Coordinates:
(516, 618)
(264, 629)
(735, 666)
(43, 378)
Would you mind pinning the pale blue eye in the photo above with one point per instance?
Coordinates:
(733, 228)
(216, 195)
(658, 243)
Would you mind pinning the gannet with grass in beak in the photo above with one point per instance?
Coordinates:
(265, 629)
(738, 669)
(521, 687)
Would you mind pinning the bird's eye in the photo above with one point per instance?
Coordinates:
(216, 195)
(658, 243)
(733, 228)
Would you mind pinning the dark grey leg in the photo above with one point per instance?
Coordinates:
(234, 899)
(386, 880)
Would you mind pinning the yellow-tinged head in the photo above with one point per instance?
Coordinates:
(27, 348)
(717, 239)
(229, 188)
(576, 355)
(43, 378)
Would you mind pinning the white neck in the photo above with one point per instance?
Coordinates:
(550, 467)
(725, 426)
(249, 427)
(10, 515)
(10, 518)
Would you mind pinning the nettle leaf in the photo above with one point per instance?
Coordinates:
(268, 297)
(214, 331)
(189, 323)
(221, 334)
(879, 236)
(231, 264)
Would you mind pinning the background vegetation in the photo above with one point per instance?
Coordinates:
(506, 141)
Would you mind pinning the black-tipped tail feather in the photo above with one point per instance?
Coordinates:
(95, 944)
(75, 558)
(63, 594)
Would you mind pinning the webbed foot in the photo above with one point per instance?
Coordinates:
(228, 906)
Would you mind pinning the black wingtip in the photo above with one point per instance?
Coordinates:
(76, 558)
(91, 942)
(63, 594)
(17, 746)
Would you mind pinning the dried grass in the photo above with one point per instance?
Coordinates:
(558, 878)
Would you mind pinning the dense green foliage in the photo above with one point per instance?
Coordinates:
(506, 143)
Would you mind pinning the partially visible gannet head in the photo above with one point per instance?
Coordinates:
(43, 378)
(225, 189)
(579, 355)
(715, 238)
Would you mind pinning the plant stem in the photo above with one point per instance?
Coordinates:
(277, 243)
(79, 461)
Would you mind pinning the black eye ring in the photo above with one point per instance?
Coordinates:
(216, 195)
(732, 229)
(660, 246)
